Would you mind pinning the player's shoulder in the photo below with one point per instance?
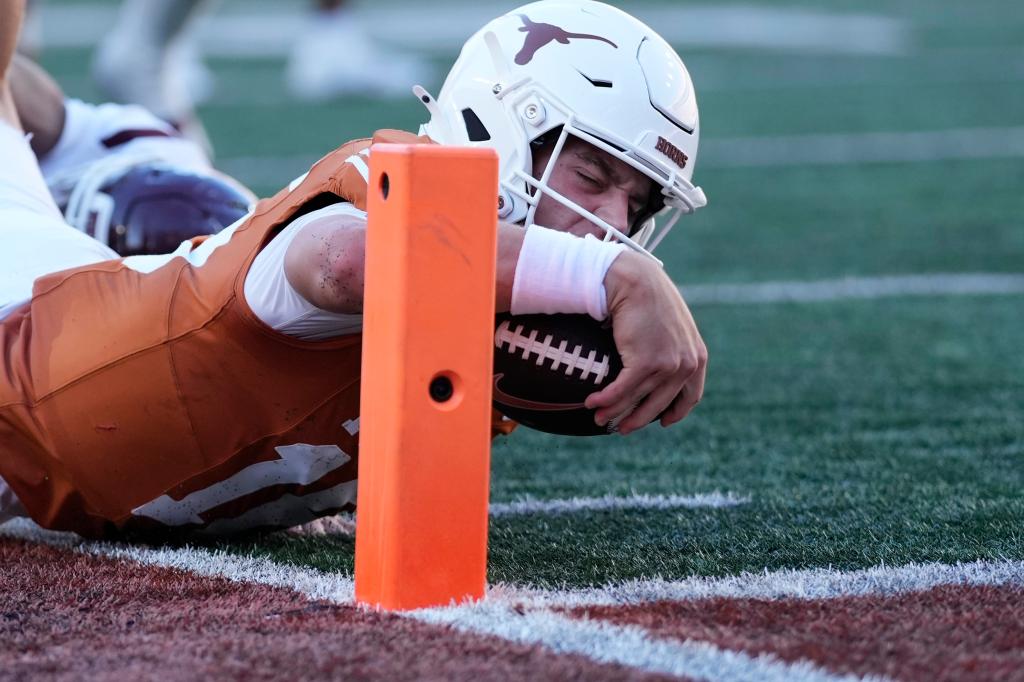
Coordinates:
(392, 136)
(343, 172)
(361, 146)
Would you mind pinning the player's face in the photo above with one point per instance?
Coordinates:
(606, 186)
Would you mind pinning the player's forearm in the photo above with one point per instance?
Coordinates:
(510, 243)
(40, 104)
(325, 264)
(11, 12)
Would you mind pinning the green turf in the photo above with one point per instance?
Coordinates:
(864, 432)
(833, 221)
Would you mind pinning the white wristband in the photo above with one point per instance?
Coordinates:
(561, 273)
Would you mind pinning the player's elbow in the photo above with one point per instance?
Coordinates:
(325, 264)
(341, 277)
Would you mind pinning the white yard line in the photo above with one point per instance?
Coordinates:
(817, 583)
(251, 30)
(712, 500)
(315, 584)
(751, 152)
(525, 615)
(626, 645)
(853, 288)
(344, 524)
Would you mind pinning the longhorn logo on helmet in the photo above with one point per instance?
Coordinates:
(538, 35)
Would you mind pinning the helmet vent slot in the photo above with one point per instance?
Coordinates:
(475, 128)
(596, 82)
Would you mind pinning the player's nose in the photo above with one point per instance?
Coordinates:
(613, 208)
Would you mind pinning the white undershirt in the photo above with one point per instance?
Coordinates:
(274, 300)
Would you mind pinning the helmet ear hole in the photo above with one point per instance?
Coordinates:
(475, 128)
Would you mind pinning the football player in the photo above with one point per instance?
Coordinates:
(148, 58)
(216, 388)
(119, 173)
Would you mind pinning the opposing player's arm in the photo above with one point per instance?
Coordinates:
(40, 104)
(11, 12)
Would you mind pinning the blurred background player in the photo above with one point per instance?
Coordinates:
(149, 58)
(335, 55)
(121, 174)
(145, 59)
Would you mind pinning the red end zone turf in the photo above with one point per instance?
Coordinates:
(951, 632)
(68, 615)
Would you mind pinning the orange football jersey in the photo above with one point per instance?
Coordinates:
(144, 401)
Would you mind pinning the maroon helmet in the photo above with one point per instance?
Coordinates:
(150, 208)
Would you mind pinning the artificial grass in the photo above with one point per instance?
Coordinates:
(863, 432)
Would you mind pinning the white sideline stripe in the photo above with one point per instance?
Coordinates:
(268, 29)
(625, 645)
(310, 582)
(816, 583)
(609, 502)
(628, 645)
(851, 288)
(752, 152)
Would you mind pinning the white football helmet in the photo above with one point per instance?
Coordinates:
(591, 71)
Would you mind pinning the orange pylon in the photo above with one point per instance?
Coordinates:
(424, 452)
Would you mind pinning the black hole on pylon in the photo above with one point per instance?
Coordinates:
(441, 389)
(385, 185)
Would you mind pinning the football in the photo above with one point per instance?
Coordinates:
(546, 365)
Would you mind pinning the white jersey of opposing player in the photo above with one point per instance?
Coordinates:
(98, 132)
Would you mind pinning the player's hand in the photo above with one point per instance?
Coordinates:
(664, 359)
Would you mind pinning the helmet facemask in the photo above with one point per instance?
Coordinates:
(675, 196)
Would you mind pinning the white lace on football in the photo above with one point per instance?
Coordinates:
(590, 366)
